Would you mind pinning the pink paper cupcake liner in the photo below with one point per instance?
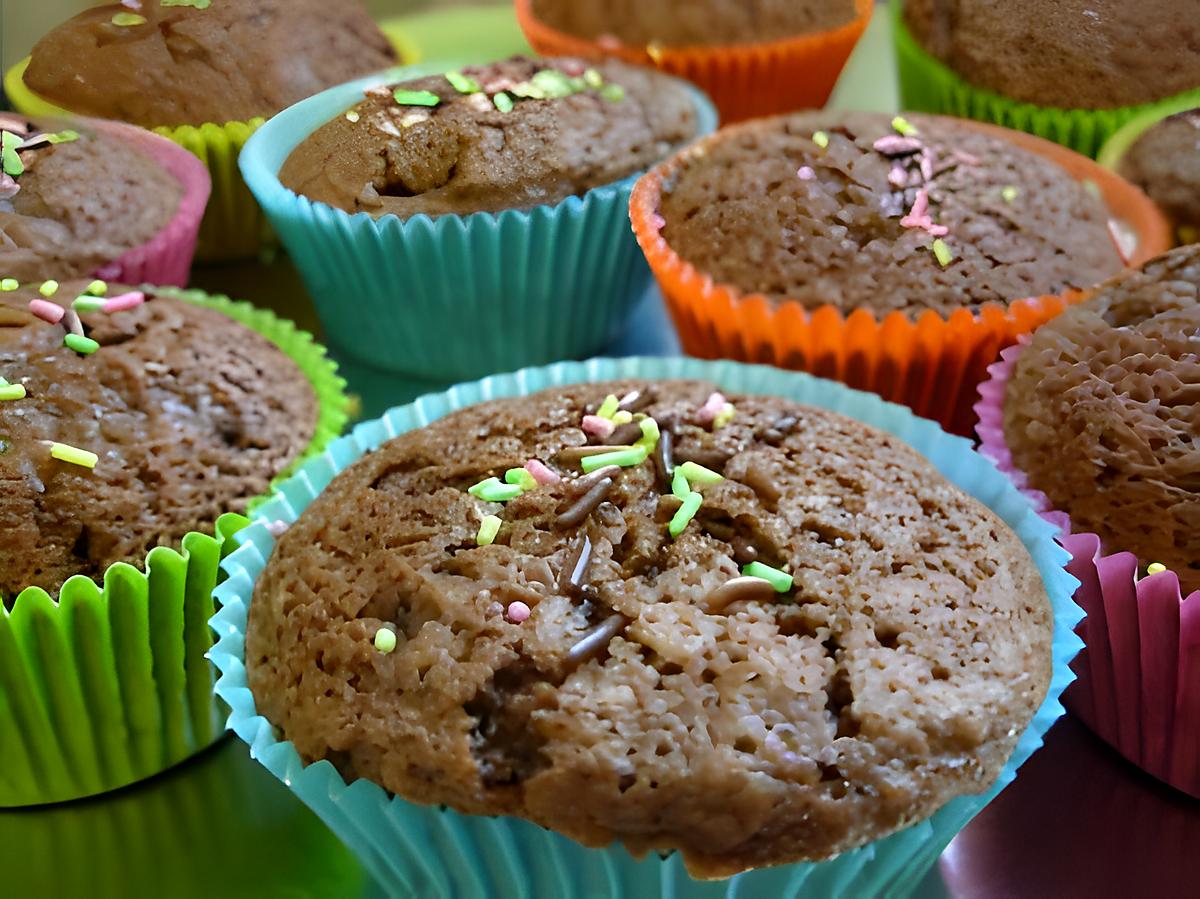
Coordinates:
(1138, 684)
(166, 259)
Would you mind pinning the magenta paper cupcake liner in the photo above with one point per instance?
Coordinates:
(1138, 685)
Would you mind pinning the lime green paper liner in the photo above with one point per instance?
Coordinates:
(928, 85)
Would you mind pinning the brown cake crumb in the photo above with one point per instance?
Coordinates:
(1165, 163)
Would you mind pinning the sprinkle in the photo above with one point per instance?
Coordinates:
(521, 478)
(492, 491)
(624, 458)
(725, 416)
(48, 312)
(691, 505)
(552, 84)
(609, 407)
(622, 417)
(919, 216)
(598, 487)
(9, 160)
(128, 19)
(650, 432)
(1009, 194)
(48, 288)
(904, 127)
(780, 580)
(385, 640)
(503, 102)
(416, 98)
(62, 137)
(85, 346)
(598, 425)
(658, 221)
(805, 173)
(711, 408)
(740, 589)
(965, 158)
(64, 453)
(543, 475)
(124, 301)
(943, 253)
(413, 118)
(8, 284)
(613, 93)
(893, 145)
(96, 289)
(352, 116)
(462, 83)
(277, 528)
(654, 51)
(197, 4)
(1155, 568)
(488, 529)
(518, 612)
(132, 4)
(679, 483)
(8, 187)
(71, 322)
(698, 474)
(593, 79)
(821, 139)
(12, 392)
(898, 176)
(87, 304)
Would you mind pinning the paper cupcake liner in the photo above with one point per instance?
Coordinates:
(110, 685)
(453, 297)
(233, 226)
(932, 364)
(744, 80)
(422, 851)
(1139, 673)
(929, 85)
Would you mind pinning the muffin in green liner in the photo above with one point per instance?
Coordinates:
(426, 851)
(108, 683)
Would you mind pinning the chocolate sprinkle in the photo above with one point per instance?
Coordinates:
(574, 572)
(586, 504)
(596, 639)
(574, 454)
(626, 434)
(641, 399)
(664, 458)
(740, 589)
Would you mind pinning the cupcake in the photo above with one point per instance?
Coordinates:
(753, 59)
(1164, 162)
(887, 252)
(479, 217)
(1078, 76)
(96, 199)
(206, 76)
(1098, 418)
(129, 425)
(708, 616)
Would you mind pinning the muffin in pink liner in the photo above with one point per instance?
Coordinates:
(1112, 388)
(94, 198)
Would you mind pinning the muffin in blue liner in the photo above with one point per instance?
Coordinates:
(426, 851)
(454, 296)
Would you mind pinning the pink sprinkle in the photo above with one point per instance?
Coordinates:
(8, 187)
(658, 222)
(49, 312)
(966, 158)
(518, 612)
(572, 67)
(805, 173)
(600, 427)
(895, 145)
(926, 163)
(498, 84)
(608, 42)
(277, 528)
(919, 208)
(541, 473)
(132, 4)
(711, 408)
(898, 176)
(123, 301)
(919, 216)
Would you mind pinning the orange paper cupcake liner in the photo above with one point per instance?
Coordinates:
(932, 364)
(744, 80)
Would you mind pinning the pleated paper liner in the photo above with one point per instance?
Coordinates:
(1139, 673)
(435, 854)
(109, 685)
(929, 85)
(744, 80)
(931, 363)
(455, 296)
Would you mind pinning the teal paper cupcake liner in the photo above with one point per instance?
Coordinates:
(928, 85)
(422, 851)
(454, 297)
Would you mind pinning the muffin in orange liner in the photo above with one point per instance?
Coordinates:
(744, 80)
(929, 362)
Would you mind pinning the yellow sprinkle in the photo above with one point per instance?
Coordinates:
(904, 127)
(943, 253)
(7, 284)
(622, 417)
(385, 640)
(1155, 568)
(488, 529)
(65, 453)
(48, 288)
(97, 289)
(1010, 194)
(821, 139)
(127, 19)
(724, 417)
(352, 116)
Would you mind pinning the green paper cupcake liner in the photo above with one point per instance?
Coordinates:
(928, 85)
(454, 297)
(414, 850)
(109, 685)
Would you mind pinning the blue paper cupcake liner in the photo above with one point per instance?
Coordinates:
(454, 297)
(415, 850)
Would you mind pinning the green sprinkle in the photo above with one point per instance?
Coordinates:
(87, 304)
(609, 407)
(650, 432)
(780, 580)
(943, 253)
(196, 4)
(1155, 568)
(416, 98)
(48, 289)
(724, 417)
(1009, 194)
(553, 84)
(96, 289)
(352, 116)
(679, 484)
(385, 640)
(521, 478)
(698, 474)
(503, 102)
(691, 505)
(593, 79)
(9, 158)
(492, 491)
(904, 127)
(488, 529)
(462, 83)
(62, 137)
(83, 345)
(64, 453)
(12, 392)
(624, 458)
(128, 19)
(613, 93)
(821, 139)
(9, 284)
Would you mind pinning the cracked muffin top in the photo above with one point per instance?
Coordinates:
(509, 135)
(741, 628)
(181, 414)
(182, 64)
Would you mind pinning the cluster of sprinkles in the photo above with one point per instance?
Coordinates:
(16, 137)
(132, 19)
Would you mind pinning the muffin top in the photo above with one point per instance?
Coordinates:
(682, 23)
(1089, 54)
(1102, 413)
(510, 135)
(842, 209)
(894, 647)
(76, 200)
(1165, 163)
(187, 64)
(189, 414)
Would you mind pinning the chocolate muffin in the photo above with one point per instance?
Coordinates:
(510, 135)
(182, 64)
(1071, 54)
(1102, 414)
(684, 23)
(860, 210)
(746, 638)
(180, 412)
(79, 199)
(1165, 163)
